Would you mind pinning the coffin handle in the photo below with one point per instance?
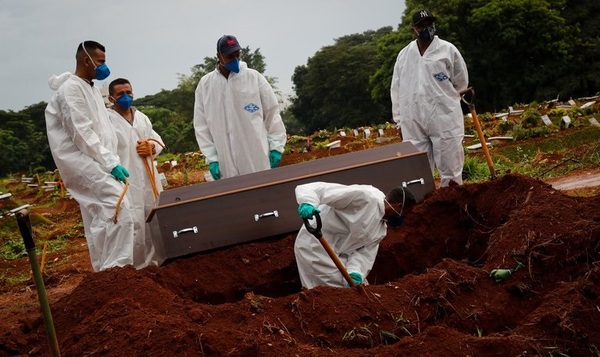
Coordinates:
(405, 184)
(268, 214)
(185, 230)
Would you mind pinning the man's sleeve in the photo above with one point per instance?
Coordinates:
(276, 134)
(203, 136)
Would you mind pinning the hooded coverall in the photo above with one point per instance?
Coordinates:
(352, 218)
(426, 104)
(84, 147)
(237, 121)
(140, 191)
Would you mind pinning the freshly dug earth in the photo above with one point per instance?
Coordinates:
(430, 292)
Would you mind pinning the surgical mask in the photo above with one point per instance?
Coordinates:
(233, 66)
(102, 71)
(125, 101)
(427, 33)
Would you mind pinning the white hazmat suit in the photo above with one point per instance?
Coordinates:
(140, 191)
(426, 104)
(237, 121)
(352, 218)
(84, 147)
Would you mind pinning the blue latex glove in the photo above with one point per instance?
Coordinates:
(120, 173)
(306, 210)
(356, 278)
(214, 170)
(274, 158)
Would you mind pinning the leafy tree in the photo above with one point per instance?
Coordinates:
(333, 89)
(23, 145)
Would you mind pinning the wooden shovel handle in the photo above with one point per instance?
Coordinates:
(317, 233)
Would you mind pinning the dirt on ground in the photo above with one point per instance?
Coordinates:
(430, 291)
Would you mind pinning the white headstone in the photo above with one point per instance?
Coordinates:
(594, 122)
(572, 102)
(367, 133)
(355, 132)
(342, 133)
(588, 104)
(546, 120)
(380, 131)
(566, 121)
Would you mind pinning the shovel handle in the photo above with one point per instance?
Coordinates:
(317, 233)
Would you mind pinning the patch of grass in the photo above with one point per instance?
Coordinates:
(14, 280)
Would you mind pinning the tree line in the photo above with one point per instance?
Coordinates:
(517, 51)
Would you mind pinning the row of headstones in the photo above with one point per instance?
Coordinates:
(565, 121)
(366, 133)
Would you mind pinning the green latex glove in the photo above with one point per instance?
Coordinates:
(120, 173)
(499, 275)
(274, 158)
(306, 210)
(214, 170)
(356, 278)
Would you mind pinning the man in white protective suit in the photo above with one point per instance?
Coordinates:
(354, 221)
(428, 76)
(236, 116)
(138, 145)
(84, 147)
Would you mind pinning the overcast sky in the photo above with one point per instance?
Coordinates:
(150, 41)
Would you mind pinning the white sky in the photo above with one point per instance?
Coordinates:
(149, 41)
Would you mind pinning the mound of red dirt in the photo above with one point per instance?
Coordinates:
(430, 295)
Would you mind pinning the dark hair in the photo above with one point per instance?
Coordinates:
(89, 46)
(116, 82)
(400, 194)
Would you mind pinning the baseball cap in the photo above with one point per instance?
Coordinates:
(422, 15)
(228, 44)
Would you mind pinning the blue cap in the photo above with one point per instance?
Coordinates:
(228, 44)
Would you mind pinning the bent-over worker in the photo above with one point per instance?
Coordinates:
(354, 221)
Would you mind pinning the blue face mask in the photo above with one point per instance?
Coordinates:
(233, 66)
(125, 101)
(102, 71)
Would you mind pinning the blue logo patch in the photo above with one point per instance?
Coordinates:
(440, 76)
(251, 107)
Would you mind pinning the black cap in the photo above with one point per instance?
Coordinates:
(422, 15)
(228, 44)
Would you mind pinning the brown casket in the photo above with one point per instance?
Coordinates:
(230, 211)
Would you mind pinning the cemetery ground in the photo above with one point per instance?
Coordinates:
(430, 291)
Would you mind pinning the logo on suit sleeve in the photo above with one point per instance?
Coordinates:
(441, 76)
(251, 107)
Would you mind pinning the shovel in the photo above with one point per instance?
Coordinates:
(25, 228)
(471, 106)
(317, 233)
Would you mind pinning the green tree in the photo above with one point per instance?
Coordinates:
(333, 90)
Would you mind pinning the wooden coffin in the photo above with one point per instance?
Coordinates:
(230, 211)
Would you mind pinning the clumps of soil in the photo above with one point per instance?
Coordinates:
(430, 292)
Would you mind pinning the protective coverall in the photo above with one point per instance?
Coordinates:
(352, 218)
(426, 104)
(140, 193)
(84, 147)
(237, 121)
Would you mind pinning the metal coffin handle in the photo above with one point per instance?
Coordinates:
(268, 214)
(185, 230)
(405, 184)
